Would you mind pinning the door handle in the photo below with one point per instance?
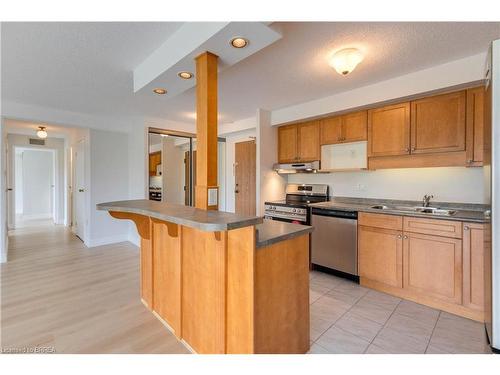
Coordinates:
(81, 190)
(9, 189)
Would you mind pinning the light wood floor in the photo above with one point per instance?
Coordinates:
(57, 293)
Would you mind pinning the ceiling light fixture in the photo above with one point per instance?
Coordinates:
(41, 133)
(185, 75)
(239, 42)
(346, 60)
(160, 91)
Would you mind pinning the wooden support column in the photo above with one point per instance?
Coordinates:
(206, 131)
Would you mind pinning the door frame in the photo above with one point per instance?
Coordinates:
(11, 183)
(71, 188)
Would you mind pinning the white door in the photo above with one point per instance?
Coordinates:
(79, 191)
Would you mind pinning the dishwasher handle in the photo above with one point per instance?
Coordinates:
(335, 213)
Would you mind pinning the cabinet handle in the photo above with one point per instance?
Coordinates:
(469, 161)
(399, 236)
(405, 237)
(466, 228)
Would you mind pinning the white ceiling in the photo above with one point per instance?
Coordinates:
(87, 67)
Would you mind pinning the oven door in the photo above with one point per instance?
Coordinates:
(285, 219)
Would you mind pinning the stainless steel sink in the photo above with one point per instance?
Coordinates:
(419, 209)
(379, 207)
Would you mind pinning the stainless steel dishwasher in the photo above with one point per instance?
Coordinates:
(334, 241)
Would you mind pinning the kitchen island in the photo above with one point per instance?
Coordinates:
(221, 282)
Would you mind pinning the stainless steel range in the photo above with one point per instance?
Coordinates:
(294, 209)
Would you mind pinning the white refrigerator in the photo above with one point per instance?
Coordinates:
(492, 179)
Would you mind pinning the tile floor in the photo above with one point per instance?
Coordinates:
(348, 318)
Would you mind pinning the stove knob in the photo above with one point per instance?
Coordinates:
(294, 210)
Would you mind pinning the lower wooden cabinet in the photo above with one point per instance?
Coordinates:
(439, 263)
(432, 266)
(473, 266)
(380, 254)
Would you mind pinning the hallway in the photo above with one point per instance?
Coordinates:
(60, 295)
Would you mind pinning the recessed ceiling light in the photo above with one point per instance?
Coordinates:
(185, 75)
(41, 133)
(239, 42)
(346, 60)
(160, 91)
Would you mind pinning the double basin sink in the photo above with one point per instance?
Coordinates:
(418, 209)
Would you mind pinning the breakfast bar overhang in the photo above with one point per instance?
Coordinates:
(221, 282)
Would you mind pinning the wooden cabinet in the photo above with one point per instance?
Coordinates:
(154, 161)
(473, 266)
(439, 263)
(299, 142)
(287, 144)
(380, 255)
(389, 130)
(331, 130)
(438, 123)
(308, 141)
(351, 127)
(432, 266)
(475, 126)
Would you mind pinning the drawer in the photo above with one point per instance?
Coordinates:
(436, 227)
(393, 222)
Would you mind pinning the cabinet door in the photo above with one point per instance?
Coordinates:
(389, 130)
(354, 127)
(287, 144)
(432, 266)
(331, 130)
(475, 126)
(380, 255)
(473, 267)
(438, 123)
(308, 141)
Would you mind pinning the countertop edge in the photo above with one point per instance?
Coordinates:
(354, 207)
(207, 227)
(303, 230)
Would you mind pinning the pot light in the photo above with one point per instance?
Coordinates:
(346, 60)
(41, 133)
(239, 42)
(185, 75)
(160, 91)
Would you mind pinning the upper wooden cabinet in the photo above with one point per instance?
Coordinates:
(389, 130)
(308, 141)
(287, 144)
(299, 142)
(351, 127)
(331, 130)
(438, 123)
(475, 126)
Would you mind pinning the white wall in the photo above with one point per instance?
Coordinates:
(458, 72)
(18, 182)
(37, 181)
(109, 181)
(172, 171)
(270, 185)
(454, 184)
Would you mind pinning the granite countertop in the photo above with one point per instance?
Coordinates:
(210, 221)
(465, 211)
(272, 231)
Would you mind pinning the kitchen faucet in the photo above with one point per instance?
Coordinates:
(427, 200)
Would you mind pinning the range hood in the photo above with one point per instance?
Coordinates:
(312, 167)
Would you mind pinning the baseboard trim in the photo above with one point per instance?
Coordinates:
(106, 240)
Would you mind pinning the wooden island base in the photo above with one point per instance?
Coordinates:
(220, 293)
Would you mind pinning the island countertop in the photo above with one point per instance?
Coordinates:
(271, 232)
(210, 221)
